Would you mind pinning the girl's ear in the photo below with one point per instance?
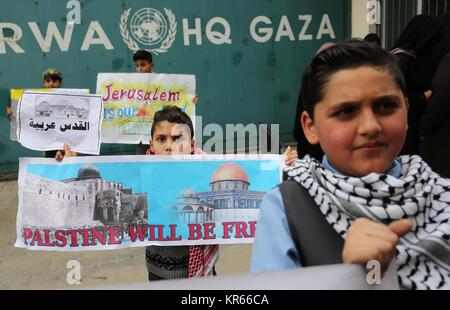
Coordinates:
(309, 128)
(407, 109)
(151, 146)
(193, 146)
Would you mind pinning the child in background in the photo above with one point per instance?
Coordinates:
(144, 64)
(143, 61)
(52, 78)
(362, 202)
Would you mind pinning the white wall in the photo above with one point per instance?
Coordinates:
(360, 27)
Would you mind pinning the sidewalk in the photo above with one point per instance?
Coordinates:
(25, 269)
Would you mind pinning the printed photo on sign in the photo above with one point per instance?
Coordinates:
(113, 202)
(130, 100)
(48, 120)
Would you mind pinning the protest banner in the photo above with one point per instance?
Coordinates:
(48, 120)
(16, 94)
(95, 203)
(130, 101)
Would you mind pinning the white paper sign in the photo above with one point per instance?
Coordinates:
(48, 120)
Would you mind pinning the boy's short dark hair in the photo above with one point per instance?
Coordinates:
(143, 55)
(350, 54)
(373, 38)
(53, 74)
(172, 114)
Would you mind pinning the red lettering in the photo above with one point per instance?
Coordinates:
(160, 232)
(209, 231)
(108, 93)
(36, 237)
(115, 95)
(174, 96)
(114, 232)
(147, 96)
(155, 94)
(85, 233)
(123, 93)
(241, 230)
(73, 237)
(195, 232)
(162, 97)
(139, 231)
(227, 228)
(131, 93)
(60, 236)
(252, 228)
(47, 237)
(140, 96)
(27, 234)
(96, 236)
(173, 230)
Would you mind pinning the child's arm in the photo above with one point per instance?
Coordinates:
(291, 156)
(9, 110)
(368, 240)
(65, 153)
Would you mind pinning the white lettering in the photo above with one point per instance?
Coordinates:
(307, 19)
(74, 15)
(216, 37)
(94, 27)
(266, 32)
(374, 14)
(374, 274)
(284, 30)
(52, 32)
(10, 40)
(195, 31)
(213, 145)
(325, 28)
(74, 275)
(241, 132)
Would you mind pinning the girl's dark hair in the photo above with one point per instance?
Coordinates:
(347, 55)
(172, 114)
(420, 33)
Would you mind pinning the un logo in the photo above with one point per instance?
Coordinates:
(148, 27)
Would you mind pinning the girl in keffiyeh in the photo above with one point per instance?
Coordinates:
(379, 206)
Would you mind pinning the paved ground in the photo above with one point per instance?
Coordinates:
(24, 269)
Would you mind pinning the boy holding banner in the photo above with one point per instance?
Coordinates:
(172, 133)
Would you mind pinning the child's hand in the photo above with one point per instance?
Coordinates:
(428, 94)
(9, 111)
(65, 153)
(195, 100)
(291, 156)
(368, 240)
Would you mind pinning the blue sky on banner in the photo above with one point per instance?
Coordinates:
(167, 176)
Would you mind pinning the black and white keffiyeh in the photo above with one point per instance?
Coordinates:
(423, 255)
